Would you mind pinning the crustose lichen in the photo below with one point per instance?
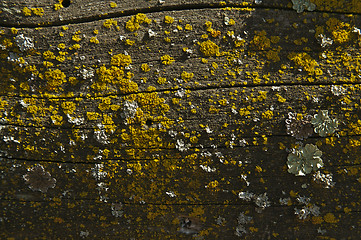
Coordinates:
(38, 179)
(303, 160)
(299, 126)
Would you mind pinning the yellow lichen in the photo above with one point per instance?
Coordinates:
(188, 27)
(76, 38)
(55, 78)
(186, 76)
(94, 40)
(168, 20)
(129, 42)
(38, 11)
(167, 60)
(260, 41)
(47, 64)
(267, 114)
(58, 6)
(340, 31)
(14, 30)
(162, 80)
(121, 60)
(145, 67)
(68, 107)
(209, 48)
(134, 23)
(306, 62)
(330, 218)
(113, 4)
(109, 23)
(26, 11)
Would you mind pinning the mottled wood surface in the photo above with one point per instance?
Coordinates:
(205, 127)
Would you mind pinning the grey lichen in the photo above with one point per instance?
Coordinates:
(38, 179)
(189, 225)
(260, 200)
(307, 209)
(301, 5)
(323, 124)
(298, 126)
(324, 179)
(24, 43)
(303, 160)
(242, 220)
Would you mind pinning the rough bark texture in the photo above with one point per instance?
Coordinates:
(158, 119)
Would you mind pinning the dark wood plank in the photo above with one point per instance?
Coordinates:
(45, 12)
(185, 138)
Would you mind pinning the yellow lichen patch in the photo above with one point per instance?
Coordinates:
(26, 11)
(48, 64)
(113, 4)
(280, 98)
(162, 80)
(121, 60)
(94, 40)
(341, 32)
(14, 30)
(213, 184)
(134, 23)
(61, 45)
(58, 6)
(57, 120)
(68, 107)
(48, 55)
(116, 78)
(167, 60)
(92, 115)
(209, 48)
(213, 109)
(76, 38)
(260, 41)
(239, 42)
(188, 27)
(109, 23)
(186, 76)
(306, 62)
(215, 33)
(168, 20)
(55, 78)
(75, 46)
(38, 11)
(61, 57)
(145, 67)
(330, 218)
(317, 220)
(129, 42)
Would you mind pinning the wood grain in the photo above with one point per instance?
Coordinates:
(148, 121)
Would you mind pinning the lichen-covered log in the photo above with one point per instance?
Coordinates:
(164, 120)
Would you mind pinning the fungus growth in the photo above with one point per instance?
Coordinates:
(323, 124)
(38, 179)
(303, 160)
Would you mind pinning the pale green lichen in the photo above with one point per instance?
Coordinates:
(301, 5)
(303, 160)
(323, 124)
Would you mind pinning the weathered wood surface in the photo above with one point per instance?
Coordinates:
(138, 146)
